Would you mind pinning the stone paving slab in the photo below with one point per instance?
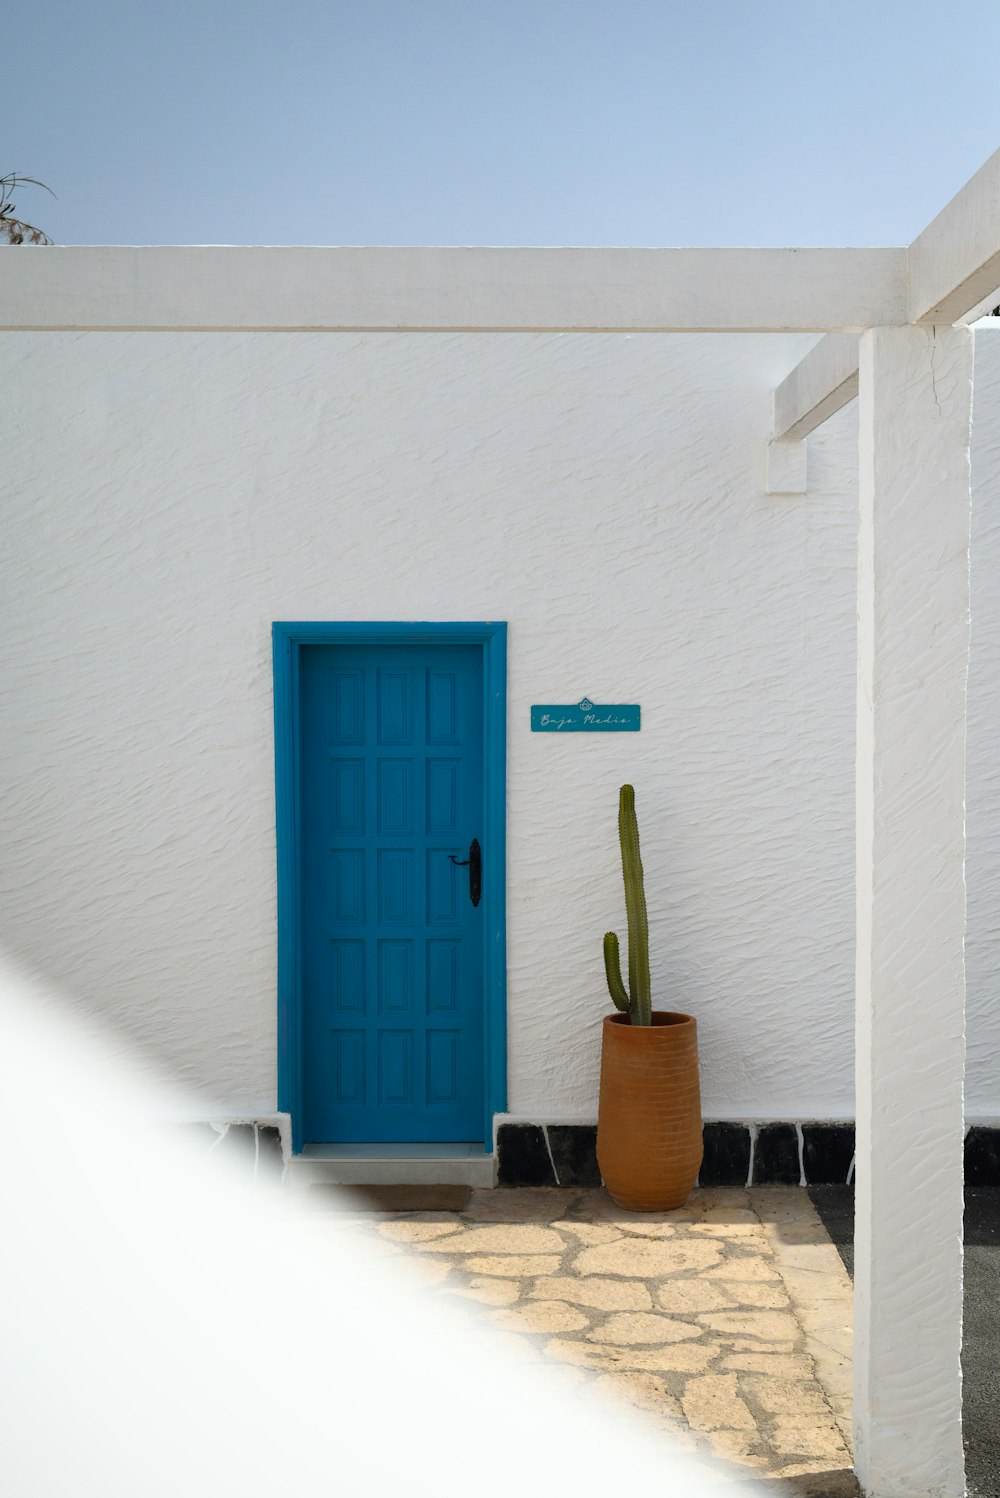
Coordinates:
(727, 1321)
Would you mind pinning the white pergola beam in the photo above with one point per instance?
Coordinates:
(244, 288)
(913, 649)
(786, 468)
(955, 262)
(819, 385)
(952, 268)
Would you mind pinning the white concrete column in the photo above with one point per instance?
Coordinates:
(913, 643)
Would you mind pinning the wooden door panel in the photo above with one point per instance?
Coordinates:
(393, 952)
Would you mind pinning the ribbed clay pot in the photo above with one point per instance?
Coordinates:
(649, 1114)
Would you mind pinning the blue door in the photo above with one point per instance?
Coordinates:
(392, 930)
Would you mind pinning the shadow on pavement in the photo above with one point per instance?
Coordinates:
(981, 1373)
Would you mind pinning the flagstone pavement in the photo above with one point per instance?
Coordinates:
(727, 1321)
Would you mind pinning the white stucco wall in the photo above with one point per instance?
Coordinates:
(982, 944)
(168, 495)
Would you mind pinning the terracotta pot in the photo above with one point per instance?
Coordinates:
(649, 1115)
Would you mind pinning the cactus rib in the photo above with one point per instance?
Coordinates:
(635, 906)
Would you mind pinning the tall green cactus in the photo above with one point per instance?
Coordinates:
(637, 1002)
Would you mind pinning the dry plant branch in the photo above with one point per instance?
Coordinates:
(14, 230)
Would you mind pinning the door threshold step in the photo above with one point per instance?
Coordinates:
(381, 1165)
(406, 1150)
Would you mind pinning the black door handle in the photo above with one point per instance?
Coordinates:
(474, 864)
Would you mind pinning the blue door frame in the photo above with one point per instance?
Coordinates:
(288, 639)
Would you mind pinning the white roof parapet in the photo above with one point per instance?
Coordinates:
(244, 288)
(819, 385)
(955, 262)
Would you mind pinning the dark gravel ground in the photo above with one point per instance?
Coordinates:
(981, 1350)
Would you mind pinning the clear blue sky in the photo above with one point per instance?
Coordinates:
(606, 122)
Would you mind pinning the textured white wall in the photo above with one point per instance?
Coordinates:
(982, 798)
(168, 495)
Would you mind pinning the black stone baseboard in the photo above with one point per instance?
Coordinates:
(249, 1150)
(523, 1157)
(982, 1156)
(736, 1154)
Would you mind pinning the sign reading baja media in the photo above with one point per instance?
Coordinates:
(586, 717)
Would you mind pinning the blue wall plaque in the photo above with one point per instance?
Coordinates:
(586, 717)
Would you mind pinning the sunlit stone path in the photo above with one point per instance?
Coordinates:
(729, 1321)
